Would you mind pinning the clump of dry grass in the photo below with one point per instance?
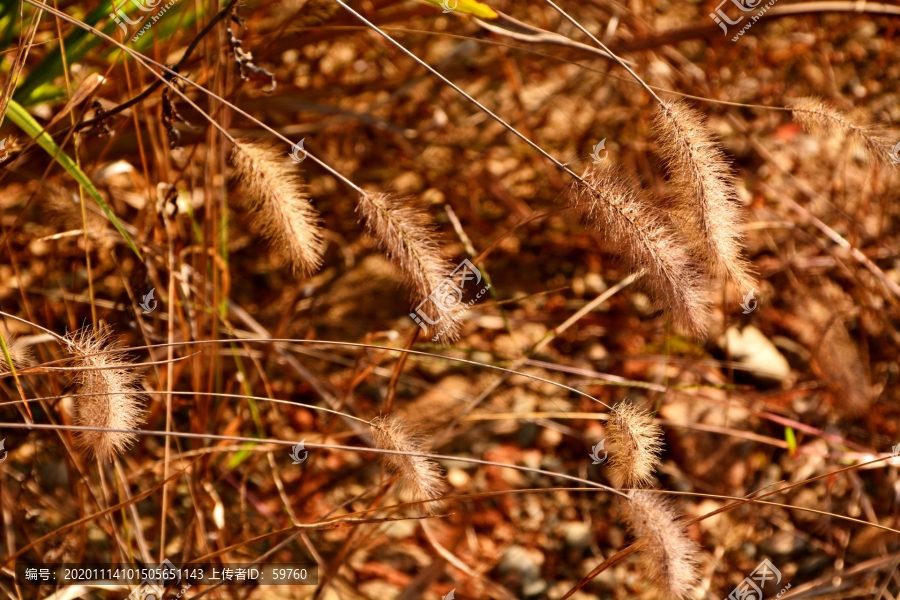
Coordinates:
(281, 205)
(421, 477)
(703, 195)
(645, 238)
(108, 394)
(821, 118)
(668, 556)
(406, 235)
(635, 445)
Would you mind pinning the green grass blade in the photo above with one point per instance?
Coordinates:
(38, 86)
(26, 122)
(791, 440)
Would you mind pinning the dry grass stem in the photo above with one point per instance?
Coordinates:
(277, 195)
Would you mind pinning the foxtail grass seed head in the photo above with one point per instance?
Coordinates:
(64, 210)
(276, 194)
(421, 477)
(821, 118)
(635, 445)
(616, 208)
(668, 557)
(19, 353)
(836, 358)
(703, 195)
(108, 394)
(406, 234)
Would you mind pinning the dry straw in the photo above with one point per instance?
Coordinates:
(278, 197)
(406, 234)
(421, 477)
(635, 445)
(703, 194)
(821, 118)
(645, 238)
(108, 394)
(668, 557)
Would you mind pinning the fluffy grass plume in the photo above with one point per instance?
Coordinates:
(837, 359)
(108, 394)
(646, 240)
(64, 211)
(406, 234)
(19, 353)
(668, 557)
(421, 477)
(277, 196)
(703, 196)
(635, 445)
(821, 118)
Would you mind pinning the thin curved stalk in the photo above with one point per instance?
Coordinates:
(311, 445)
